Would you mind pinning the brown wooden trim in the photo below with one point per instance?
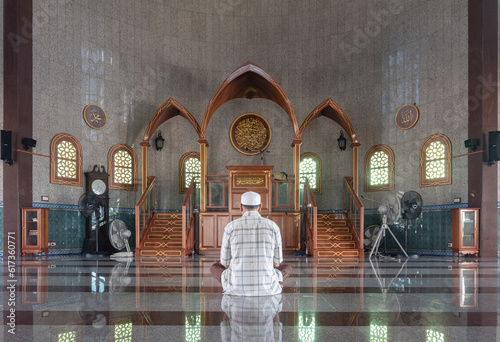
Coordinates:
(387, 150)
(249, 81)
(317, 190)
(56, 140)
(186, 156)
(441, 181)
(111, 168)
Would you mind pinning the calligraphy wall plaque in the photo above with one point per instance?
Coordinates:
(94, 116)
(249, 181)
(250, 134)
(407, 116)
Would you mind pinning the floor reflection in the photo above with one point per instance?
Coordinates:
(253, 319)
(77, 299)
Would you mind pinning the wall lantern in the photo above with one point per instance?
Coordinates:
(342, 141)
(159, 141)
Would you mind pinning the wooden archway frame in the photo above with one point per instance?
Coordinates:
(331, 110)
(168, 110)
(249, 81)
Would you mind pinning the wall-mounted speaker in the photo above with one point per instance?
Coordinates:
(6, 141)
(493, 147)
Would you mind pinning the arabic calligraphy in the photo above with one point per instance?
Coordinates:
(250, 133)
(94, 116)
(407, 116)
(246, 181)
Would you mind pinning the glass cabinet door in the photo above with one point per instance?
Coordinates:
(31, 228)
(469, 229)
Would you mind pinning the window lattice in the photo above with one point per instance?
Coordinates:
(192, 169)
(66, 160)
(378, 333)
(123, 168)
(435, 161)
(433, 336)
(379, 169)
(124, 332)
(308, 171)
(193, 328)
(307, 328)
(435, 156)
(69, 336)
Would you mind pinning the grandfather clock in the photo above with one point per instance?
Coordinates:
(96, 233)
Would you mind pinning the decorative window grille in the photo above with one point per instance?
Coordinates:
(193, 328)
(378, 333)
(310, 170)
(65, 160)
(190, 168)
(122, 168)
(124, 332)
(379, 168)
(435, 161)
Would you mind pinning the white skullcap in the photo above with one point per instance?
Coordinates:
(250, 198)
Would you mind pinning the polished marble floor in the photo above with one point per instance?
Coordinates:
(89, 298)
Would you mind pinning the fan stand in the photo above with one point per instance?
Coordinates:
(381, 234)
(382, 282)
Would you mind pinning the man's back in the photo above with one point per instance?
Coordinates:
(250, 246)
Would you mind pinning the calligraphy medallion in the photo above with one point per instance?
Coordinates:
(94, 116)
(407, 116)
(250, 134)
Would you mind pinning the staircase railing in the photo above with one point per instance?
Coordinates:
(311, 220)
(144, 211)
(188, 220)
(355, 211)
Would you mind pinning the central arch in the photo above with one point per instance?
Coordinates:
(249, 82)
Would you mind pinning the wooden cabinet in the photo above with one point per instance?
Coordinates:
(465, 285)
(35, 283)
(35, 231)
(465, 232)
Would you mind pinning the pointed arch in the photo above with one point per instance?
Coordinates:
(168, 110)
(249, 82)
(331, 110)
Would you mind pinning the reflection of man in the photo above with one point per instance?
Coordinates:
(251, 253)
(251, 318)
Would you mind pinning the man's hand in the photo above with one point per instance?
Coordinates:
(276, 264)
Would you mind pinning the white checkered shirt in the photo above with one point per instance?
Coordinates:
(250, 246)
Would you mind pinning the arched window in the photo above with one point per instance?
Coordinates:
(190, 167)
(435, 161)
(379, 168)
(65, 160)
(310, 169)
(122, 168)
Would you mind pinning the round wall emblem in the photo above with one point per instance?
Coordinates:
(95, 116)
(250, 134)
(407, 116)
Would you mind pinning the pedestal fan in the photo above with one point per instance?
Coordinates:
(411, 207)
(118, 236)
(390, 209)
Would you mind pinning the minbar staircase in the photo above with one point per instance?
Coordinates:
(336, 238)
(163, 237)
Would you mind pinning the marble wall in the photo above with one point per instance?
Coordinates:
(1, 96)
(129, 57)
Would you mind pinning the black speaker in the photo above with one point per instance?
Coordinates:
(7, 146)
(27, 143)
(493, 147)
